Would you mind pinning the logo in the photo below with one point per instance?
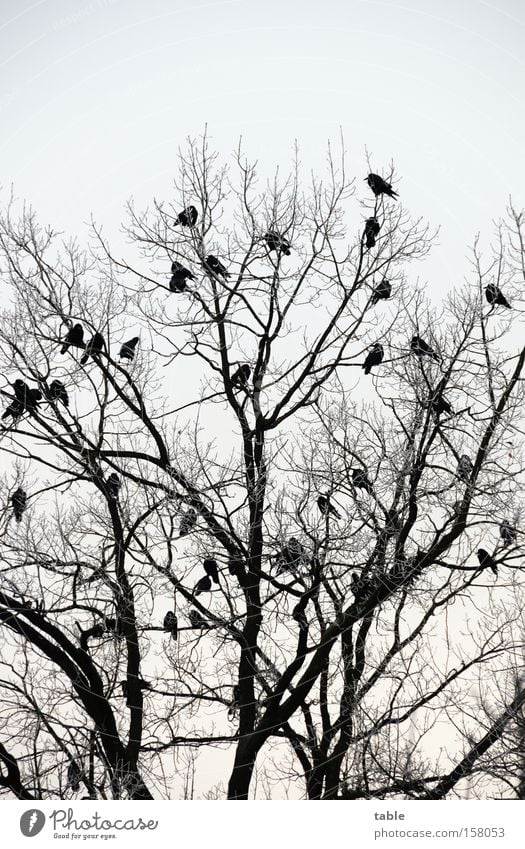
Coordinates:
(32, 822)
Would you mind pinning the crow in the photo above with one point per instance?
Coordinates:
(188, 217)
(127, 350)
(29, 398)
(203, 585)
(361, 481)
(197, 620)
(486, 561)
(215, 266)
(360, 585)
(187, 522)
(113, 485)
(372, 228)
(179, 277)
(15, 409)
(380, 186)
(75, 337)
(93, 348)
(74, 774)
(170, 624)
(19, 503)
(420, 348)
(211, 569)
(495, 296)
(278, 243)
(440, 405)
(465, 468)
(373, 358)
(236, 568)
(381, 292)
(57, 392)
(508, 533)
(241, 376)
(290, 556)
(323, 502)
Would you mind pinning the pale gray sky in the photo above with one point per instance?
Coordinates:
(96, 96)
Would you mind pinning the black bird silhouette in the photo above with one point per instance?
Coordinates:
(57, 392)
(19, 503)
(440, 405)
(323, 502)
(381, 292)
(203, 585)
(93, 348)
(290, 556)
(276, 242)
(179, 275)
(372, 228)
(170, 624)
(113, 485)
(215, 266)
(188, 217)
(241, 376)
(361, 481)
(465, 468)
(29, 398)
(15, 409)
(74, 774)
(211, 569)
(420, 348)
(197, 620)
(486, 561)
(380, 186)
(236, 568)
(360, 585)
(373, 358)
(75, 337)
(125, 688)
(508, 533)
(495, 296)
(187, 522)
(127, 350)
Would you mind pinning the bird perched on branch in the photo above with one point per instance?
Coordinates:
(19, 503)
(211, 569)
(381, 292)
(290, 556)
(187, 522)
(241, 376)
(197, 620)
(372, 228)
(420, 348)
(113, 485)
(495, 296)
(74, 774)
(15, 410)
(361, 481)
(323, 502)
(203, 585)
(170, 624)
(188, 217)
(440, 405)
(380, 186)
(127, 350)
(465, 468)
(74, 337)
(57, 392)
(278, 243)
(236, 569)
(507, 533)
(29, 398)
(215, 266)
(486, 561)
(94, 347)
(179, 276)
(373, 358)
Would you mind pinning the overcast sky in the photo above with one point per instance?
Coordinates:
(96, 96)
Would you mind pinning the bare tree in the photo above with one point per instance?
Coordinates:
(225, 542)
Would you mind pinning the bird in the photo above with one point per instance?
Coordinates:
(361, 481)
(211, 569)
(143, 685)
(127, 350)
(508, 533)
(486, 561)
(203, 585)
(74, 774)
(380, 186)
(95, 345)
(187, 522)
(381, 292)
(57, 392)
(170, 624)
(188, 217)
(495, 296)
(440, 405)
(179, 275)
(326, 508)
(420, 348)
(75, 337)
(113, 485)
(19, 503)
(360, 584)
(372, 228)
(197, 620)
(241, 376)
(373, 358)
(29, 398)
(276, 242)
(465, 468)
(215, 266)
(15, 409)
(236, 568)
(290, 555)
